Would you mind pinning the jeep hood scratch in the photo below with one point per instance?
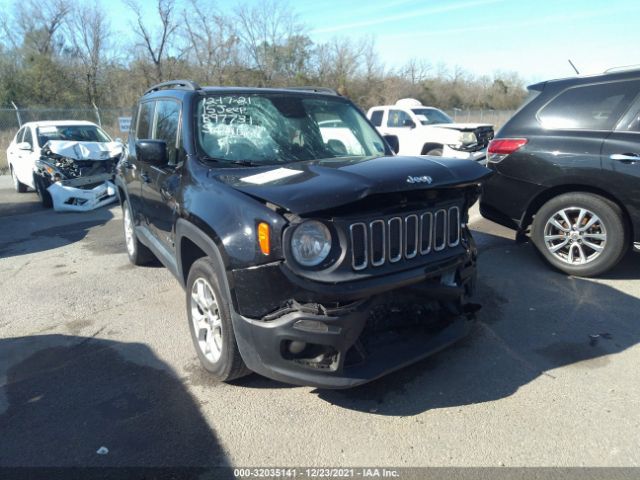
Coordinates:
(311, 186)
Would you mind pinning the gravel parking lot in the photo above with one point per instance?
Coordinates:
(95, 352)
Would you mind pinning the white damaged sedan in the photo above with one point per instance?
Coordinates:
(70, 164)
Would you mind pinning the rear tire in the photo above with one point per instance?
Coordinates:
(210, 323)
(582, 234)
(138, 253)
(43, 193)
(17, 184)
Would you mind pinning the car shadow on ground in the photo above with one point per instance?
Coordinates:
(63, 398)
(534, 320)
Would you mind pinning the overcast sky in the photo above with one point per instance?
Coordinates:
(532, 37)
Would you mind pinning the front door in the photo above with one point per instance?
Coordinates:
(399, 123)
(160, 183)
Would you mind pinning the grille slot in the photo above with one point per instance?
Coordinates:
(390, 240)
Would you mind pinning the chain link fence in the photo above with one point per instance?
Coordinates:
(11, 119)
(497, 118)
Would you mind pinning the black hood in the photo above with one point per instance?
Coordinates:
(310, 186)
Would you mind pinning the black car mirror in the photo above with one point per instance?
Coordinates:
(393, 142)
(152, 152)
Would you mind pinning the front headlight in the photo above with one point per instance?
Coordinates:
(311, 243)
(467, 138)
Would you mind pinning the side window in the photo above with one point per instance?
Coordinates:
(398, 118)
(166, 127)
(28, 137)
(589, 107)
(145, 119)
(376, 117)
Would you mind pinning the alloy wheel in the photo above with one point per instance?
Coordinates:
(205, 315)
(128, 232)
(575, 235)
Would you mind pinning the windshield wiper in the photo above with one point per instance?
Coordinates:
(244, 163)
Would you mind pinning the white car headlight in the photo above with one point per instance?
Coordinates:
(311, 243)
(467, 138)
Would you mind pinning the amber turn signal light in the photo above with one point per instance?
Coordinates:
(263, 238)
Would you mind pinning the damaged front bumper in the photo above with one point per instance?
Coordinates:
(346, 343)
(69, 196)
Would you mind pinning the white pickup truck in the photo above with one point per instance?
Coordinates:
(425, 130)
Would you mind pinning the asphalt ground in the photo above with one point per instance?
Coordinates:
(96, 353)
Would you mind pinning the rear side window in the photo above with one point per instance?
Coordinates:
(589, 107)
(376, 117)
(167, 120)
(145, 119)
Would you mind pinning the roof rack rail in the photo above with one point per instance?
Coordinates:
(179, 84)
(316, 89)
(623, 68)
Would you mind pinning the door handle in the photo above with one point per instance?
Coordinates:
(625, 157)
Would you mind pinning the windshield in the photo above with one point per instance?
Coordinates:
(264, 129)
(431, 116)
(76, 133)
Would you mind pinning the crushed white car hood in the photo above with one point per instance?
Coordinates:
(84, 150)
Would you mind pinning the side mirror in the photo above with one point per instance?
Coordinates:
(408, 123)
(393, 142)
(152, 152)
(25, 146)
(119, 140)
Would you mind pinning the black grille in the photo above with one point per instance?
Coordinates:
(392, 239)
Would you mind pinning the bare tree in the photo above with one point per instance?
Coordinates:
(89, 32)
(266, 32)
(212, 41)
(154, 43)
(35, 25)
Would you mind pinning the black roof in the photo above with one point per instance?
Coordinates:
(618, 73)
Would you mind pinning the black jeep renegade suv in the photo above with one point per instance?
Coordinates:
(309, 252)
(568, 165)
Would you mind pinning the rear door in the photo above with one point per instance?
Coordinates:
(621, 157)
(160, 184)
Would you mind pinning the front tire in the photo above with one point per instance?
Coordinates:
(435, 152)
(138, 253)
(210, 323)
(17, 184)
(581, 234)
(43, 193)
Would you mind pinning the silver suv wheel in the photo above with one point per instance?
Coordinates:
(575, 236)
(207, 324)
(128, 232)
